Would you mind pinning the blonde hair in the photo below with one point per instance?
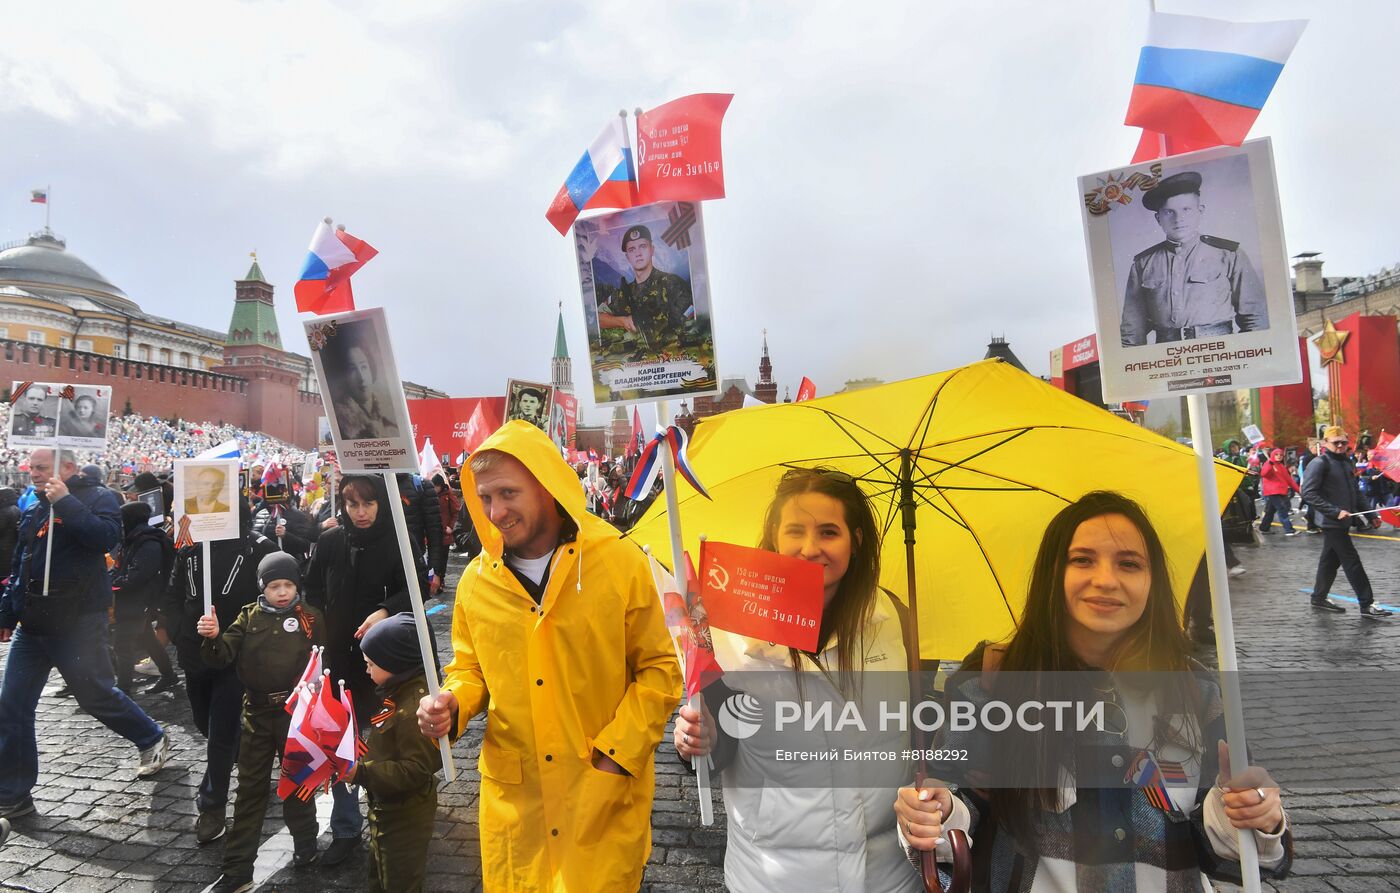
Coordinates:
(485, 459)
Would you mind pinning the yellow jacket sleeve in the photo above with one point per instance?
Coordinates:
(463, 676)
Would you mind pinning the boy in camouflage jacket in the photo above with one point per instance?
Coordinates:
(270, 644)
(398, 771)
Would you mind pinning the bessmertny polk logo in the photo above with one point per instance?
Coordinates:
(740, 716)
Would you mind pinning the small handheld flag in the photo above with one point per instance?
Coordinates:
(333, 257)
(602, 178)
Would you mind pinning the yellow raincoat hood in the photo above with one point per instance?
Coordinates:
(587, 669)
(539, 454)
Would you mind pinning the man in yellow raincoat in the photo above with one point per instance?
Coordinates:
(559, 635)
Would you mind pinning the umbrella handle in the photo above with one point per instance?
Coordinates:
(961, 880)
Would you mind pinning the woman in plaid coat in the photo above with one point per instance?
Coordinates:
(1136, 801)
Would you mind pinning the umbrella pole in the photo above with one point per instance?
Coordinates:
(961, 868)
(1224, 621)
(673, 519)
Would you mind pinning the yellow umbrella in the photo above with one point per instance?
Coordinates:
(984, 455)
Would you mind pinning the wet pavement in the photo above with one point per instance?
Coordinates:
(98, 829)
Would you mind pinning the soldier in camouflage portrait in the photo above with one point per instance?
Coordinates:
(649, 315)
(1189, 285)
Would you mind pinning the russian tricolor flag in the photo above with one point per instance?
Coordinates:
(324, 283)
(1202, 82)
(601, 179)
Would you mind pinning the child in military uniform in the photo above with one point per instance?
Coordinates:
(270, 644)
(398, 770)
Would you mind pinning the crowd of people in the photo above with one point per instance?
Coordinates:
(137, 443)
(569, 657)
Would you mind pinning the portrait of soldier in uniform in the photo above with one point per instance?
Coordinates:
(362, 407)
(29, 419)
(529, 401)
(648, 314)
(1189, 285)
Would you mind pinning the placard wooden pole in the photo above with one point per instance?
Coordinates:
(1224, 620)
(673, 518)
(206, 564)
(420, 617)
(48, 547)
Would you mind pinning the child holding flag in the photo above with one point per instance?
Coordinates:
(270, 644)
(399, 767)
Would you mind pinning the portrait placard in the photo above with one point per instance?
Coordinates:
(206, 500)
(362, 392)
(323, 431)
(646, 304)
(529, 401)
(34, 414)
(1190, 275)
(563, 424)
(156, 500)
(82, 418)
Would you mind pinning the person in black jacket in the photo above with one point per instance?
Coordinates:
(1330, 487)
(357, 579)
(139, 578)
(216, 696)
(423, 515)
(63, 625)
(293, 531)
(9, 525)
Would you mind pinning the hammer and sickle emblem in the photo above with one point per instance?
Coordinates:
(718, 577)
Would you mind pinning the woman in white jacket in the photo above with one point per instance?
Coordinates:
(808, 789)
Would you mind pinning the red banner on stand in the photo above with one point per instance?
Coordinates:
(761, 594)
(449, 421)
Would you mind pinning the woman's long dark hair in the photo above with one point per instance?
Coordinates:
(1039, 650)
(844, 619)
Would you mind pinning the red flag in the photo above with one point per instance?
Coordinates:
(806, 390)
(333, 257)
(304, 764)
(478, 429)
(634, 439)
(701, 668)
(678, 149)
(326, 717)
(1389, 459)
(1159, 145)
(762, 595)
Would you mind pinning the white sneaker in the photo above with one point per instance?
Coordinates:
(153, 758)
(146, 667)
(1237, 571)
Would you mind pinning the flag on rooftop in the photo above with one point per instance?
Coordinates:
(1201, 82)
(39, 196)
(333, 257)
(602, 178)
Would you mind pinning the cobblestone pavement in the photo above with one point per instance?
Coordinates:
(99, 830)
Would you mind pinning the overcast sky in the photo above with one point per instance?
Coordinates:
(901, 176)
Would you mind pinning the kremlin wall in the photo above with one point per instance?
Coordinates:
(61, 320)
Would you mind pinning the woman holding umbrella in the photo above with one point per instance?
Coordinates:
(1159, 815)
(356, 577)
(817, 826)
